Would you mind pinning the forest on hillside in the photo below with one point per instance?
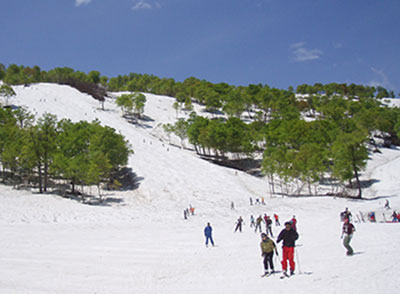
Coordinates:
(309, 135)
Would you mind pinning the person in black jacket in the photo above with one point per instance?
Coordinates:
(289, 237)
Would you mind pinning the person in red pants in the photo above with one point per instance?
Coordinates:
(289, 237)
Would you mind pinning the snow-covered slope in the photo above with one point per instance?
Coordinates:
(139, 242)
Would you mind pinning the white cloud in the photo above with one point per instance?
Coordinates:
(383, 79)
(301, 53)
(82, 2)
(143, 5)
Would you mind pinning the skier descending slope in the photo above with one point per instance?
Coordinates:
(259, 220)
(348, 230)
(239, 224)
(208, 234)
(267, 251)
(289, 237)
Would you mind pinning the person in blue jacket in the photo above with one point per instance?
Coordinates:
(208, 234)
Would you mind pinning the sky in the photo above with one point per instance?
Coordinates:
(240, 42)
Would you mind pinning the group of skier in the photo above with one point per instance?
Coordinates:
(268, 247)
(289, 236)
(188, 212)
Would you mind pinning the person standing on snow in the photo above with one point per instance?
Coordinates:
(289, 237)
(252, 221)
(259, 220)
(347, 232)
(239, 224)
(277, 223)
(293, 221)
(346, 214)
(208, 234)
(267, 251)
(269, 226)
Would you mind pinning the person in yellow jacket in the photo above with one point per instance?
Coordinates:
(267, 251)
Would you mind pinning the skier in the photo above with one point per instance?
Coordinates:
(191, 208)
(387, 206)
(276, 217)
(348, 230)
(232, 205)
(394, 216)
(208, 234)
(239, 224)
(269, 226)
(251, 201)
(262, 201)
(289, 237)
(252, 222)
(267, 251)
(293, 221)
(259, 220)
(184, 214)
(258, 201)
(345, 214)
(265, 219)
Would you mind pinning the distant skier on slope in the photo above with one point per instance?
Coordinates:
(293, 221)
(208, 234)
(269, 226)
(259, 220)
(289, 237)
(267, 251)
(276, 217)
(239, 224)
(252, 221)
(347, 232)
(345, 214)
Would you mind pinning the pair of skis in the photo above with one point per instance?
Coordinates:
(284, 275)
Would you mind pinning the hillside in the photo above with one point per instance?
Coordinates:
(138, 241)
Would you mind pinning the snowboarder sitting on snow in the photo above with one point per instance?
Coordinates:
(348, 230)
(387, 206)
(289, 237)
(208, 234)
(267, 251)
(239, 224)
(394, 216)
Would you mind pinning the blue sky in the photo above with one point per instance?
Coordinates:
(276, 42)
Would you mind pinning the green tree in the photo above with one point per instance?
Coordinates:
(7, 92)
(139, 103)
(350, 156)
(43, 146)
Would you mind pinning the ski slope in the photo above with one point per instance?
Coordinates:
(139, 243)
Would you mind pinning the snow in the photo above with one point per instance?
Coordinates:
(139, 242)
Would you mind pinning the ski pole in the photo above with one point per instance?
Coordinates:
(298, 261)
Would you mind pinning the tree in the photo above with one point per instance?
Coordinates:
(139, 101)
(43, 146)
(180, 129)
(125, 102)
(350, 156)
(7, 92)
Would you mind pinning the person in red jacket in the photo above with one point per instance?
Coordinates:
(289, 237)
(293, 221)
